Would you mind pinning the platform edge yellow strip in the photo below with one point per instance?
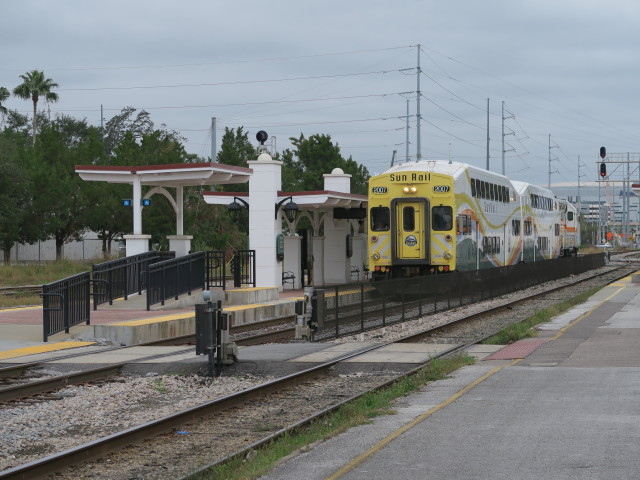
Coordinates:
(52, 347)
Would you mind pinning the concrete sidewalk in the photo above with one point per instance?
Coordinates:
(568, 410)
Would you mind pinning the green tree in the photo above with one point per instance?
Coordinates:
(236, 149)
(35, 85)
(15, 193)
(304, 167)
(60, 204)
(4, 95)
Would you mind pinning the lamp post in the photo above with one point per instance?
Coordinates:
(290, 209)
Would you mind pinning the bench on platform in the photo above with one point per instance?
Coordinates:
(289, 278)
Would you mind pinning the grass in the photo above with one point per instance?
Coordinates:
(358, 412)
(525, 328)
(36, 274)
(31, 274)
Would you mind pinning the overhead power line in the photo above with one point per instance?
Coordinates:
(199, 64)
(243, 82)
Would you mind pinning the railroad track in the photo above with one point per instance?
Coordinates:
(199, 418)
(20, 390)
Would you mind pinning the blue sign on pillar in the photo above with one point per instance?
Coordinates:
(145, 202)
(126, 202)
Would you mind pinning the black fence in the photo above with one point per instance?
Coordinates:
(215, 269)
(243, 266)
(124, 276)
(66, 303)
(172, 278)
(354, 308)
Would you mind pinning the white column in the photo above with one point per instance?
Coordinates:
(336, 264)
(137, 208)
(137, 243)
(337, 267)
(318, 261)
(263, 226)
(180, 243)
(292, 257)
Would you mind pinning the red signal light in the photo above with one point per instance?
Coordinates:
(603, 169)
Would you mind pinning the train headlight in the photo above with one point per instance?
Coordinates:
(376, 256)
(405, 189)
(413, 189)
(447, 255)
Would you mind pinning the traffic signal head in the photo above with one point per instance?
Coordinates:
(603, 169)
(603, 152)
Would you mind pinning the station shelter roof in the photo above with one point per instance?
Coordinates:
(183, 174)
(635, 188)
(312, 200)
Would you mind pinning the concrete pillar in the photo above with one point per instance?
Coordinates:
(181, 244)
(318, 261)
(263, 226)
(337, 267)
(292, 256)
(359, 254)
(136, 244)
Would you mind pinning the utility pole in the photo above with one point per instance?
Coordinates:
(579, 197)
(503, 135)
(550, 147)
(101, 118)
(214, 146)
(487, 134)
(407, 139)
(418, 143)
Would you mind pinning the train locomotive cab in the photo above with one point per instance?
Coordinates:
(411, 229)
(569, 229)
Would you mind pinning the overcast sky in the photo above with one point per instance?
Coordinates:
(568, 68)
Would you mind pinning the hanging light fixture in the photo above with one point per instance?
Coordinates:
(290, 209)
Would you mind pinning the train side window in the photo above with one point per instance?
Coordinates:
(515, 226)
(557, 229)
(442, 218)
(492, 188)
(527, 227)
(473, 187)
(570, 216)
(463, 225)
(484, 189)
(380, 219)
(408, 219)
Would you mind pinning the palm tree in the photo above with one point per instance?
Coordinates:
(4, 94)
(33, 86)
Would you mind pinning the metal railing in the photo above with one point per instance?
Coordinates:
(172, 278)
(215, 269)
(66, 303)
(354, 308)
(243, 268)
(124, 276)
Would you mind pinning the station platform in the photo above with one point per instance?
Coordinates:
(564, 406)
(127, 322)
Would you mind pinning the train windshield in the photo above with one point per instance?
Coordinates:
(442, 218)
(380, 219)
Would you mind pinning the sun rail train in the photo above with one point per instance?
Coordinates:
(440, 216)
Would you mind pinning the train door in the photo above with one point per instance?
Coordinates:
(410, 220)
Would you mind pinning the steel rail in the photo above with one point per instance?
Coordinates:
(116, 441)
(104, 445)
(54, 383)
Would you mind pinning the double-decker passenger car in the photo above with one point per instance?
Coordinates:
(439, 216)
